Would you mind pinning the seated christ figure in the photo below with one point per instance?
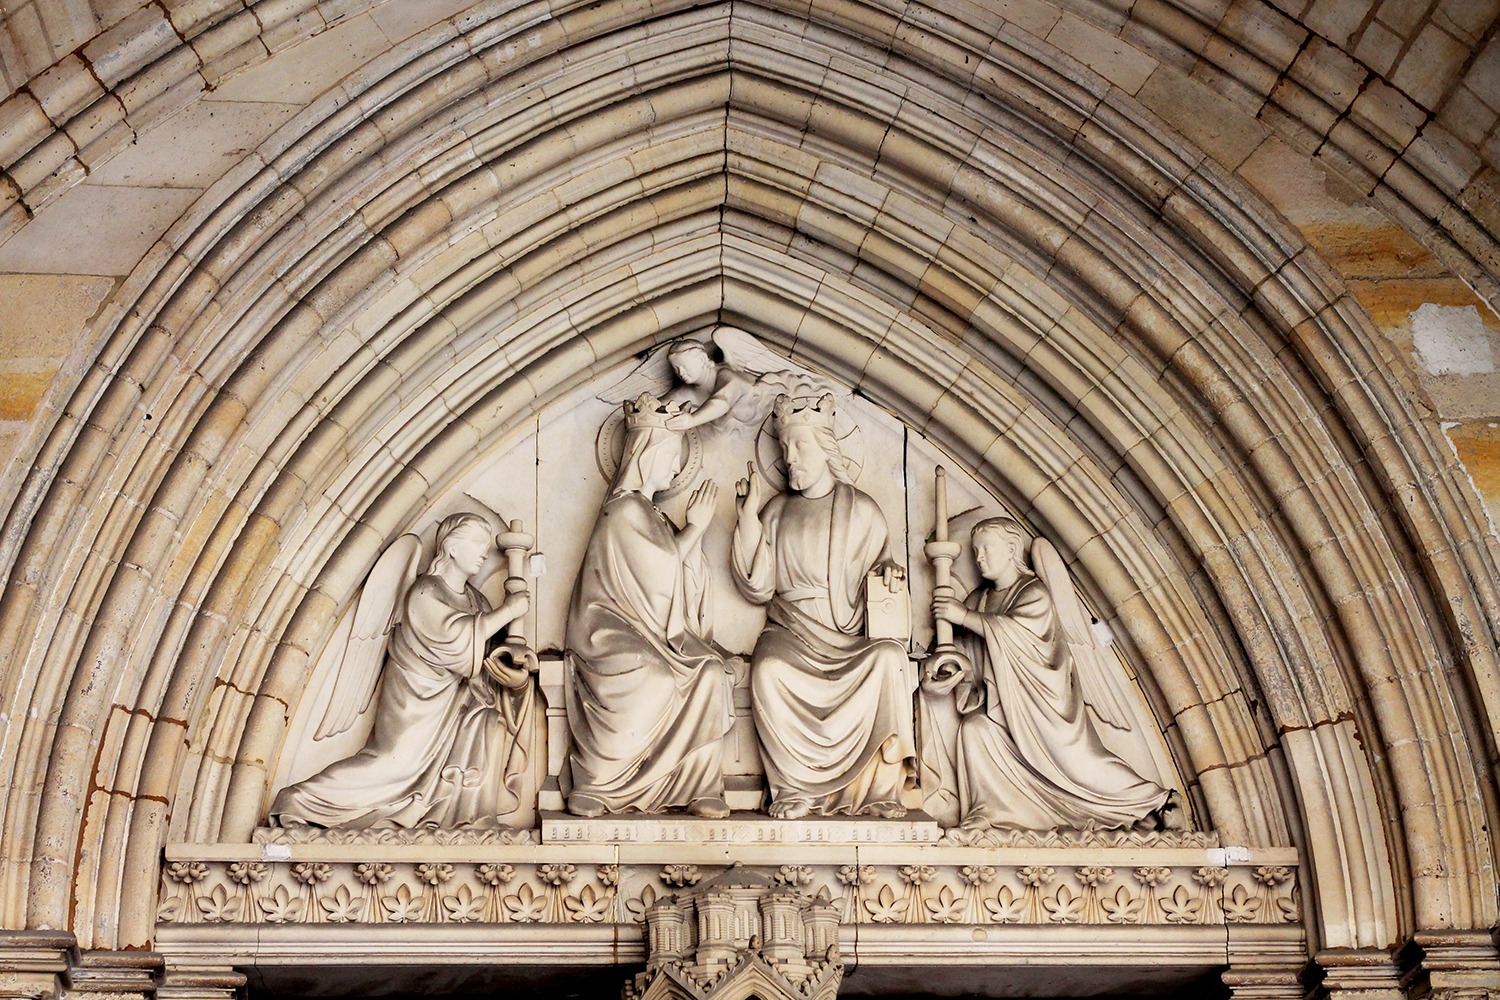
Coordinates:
(832, 708)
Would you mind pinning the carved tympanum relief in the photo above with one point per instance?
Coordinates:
(758, 656)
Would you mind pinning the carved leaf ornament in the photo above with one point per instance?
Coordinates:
(561, 893)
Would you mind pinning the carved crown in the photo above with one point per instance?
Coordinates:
(648, 411)
(789, 412)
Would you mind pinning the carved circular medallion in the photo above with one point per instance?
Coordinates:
(609, 448)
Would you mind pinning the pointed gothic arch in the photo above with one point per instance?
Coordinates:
(1105, 327)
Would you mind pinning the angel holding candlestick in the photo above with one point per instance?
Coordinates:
(453, 720)
(1026, 752)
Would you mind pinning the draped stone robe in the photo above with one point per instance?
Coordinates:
(1028, 755)
(832, 708)
(650, 700)
(449, 741)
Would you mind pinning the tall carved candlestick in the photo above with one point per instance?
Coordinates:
(946, 660)
(516, 544)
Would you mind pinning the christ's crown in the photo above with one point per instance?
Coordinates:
(789, 412)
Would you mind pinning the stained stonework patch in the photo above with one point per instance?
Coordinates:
(20, 391)
(1451, 340)
(1450, 336)
(44, 316)
(1478, 446)
(1360, 250)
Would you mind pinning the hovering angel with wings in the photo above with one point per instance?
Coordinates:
(741, 387)
(452, 722)
(1028, 753)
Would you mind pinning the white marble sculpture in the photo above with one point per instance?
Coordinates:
(453, 720)
(832, 707)
(1027, 688)
(650, 698)
(736, 391)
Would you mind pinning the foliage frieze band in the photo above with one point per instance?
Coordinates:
(490, 892)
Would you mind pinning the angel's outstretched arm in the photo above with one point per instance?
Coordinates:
(712, 409)
(731, 388)
(513, 607)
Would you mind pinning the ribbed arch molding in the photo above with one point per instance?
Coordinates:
(148, 63)
(1107, 331)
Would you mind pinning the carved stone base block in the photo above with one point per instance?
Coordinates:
(1452, 965)
(193, 983)
(114, 975)
(1359, 974)
(1264, 983)
(32, 963)
(562, 828)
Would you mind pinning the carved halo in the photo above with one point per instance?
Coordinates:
(771, 465)
(609, 448)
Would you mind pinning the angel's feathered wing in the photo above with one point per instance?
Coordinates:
(1097, 678)
(653, 375)
(744, 353)
(378, 611)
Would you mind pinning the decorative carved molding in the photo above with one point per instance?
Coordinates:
(1103, 887)
(1089, 836)
(462, 836)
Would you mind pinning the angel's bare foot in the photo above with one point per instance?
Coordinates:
(790, 808)
(886, 810)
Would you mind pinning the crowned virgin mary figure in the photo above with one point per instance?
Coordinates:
(649, 702)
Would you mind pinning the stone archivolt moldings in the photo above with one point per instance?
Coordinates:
(1098, 887)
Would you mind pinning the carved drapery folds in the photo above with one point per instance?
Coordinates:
(1031, 729)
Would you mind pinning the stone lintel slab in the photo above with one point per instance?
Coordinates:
(950, 959)
(604, 944)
